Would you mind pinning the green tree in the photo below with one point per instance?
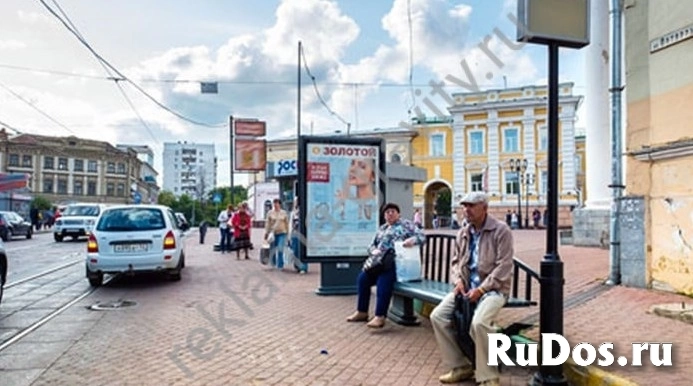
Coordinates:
(41, 203)
(443, 202)
(167, 198)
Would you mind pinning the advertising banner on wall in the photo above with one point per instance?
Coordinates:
(250, 155)
(342, 196)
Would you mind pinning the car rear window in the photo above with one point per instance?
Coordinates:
(131, 219)
(82, 210)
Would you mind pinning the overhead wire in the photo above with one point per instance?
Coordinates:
(317, 91)
(45, 114)
(110, 74)
(411, 60)
(123, 76)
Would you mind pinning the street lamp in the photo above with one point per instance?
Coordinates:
(518, 166)
(528, 179)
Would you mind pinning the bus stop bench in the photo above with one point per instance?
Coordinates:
(436, 255)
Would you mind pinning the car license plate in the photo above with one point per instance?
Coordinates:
(130, 248)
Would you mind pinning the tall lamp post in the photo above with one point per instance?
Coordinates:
(528, 179)
(518, 166)
(554, 23)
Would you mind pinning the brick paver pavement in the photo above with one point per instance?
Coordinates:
(231, 322)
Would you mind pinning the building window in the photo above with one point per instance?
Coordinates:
(396, 159)
(91, 167)
(78, 189)
(48, 162)
(14, 160)
(26, 161)
(543, 139)
(91, 188)
(512, 183)
(79, 165)
(476, 142)
(110, 167)
(62, 186)
(437, 145)
(544, 182)
(110, 189)
(121, 190)
(511, 143)
(121, 168)
(477, 182)
(62, 163)
(48, 185)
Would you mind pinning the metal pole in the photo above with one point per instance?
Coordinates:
(298, 98)
(551, 270)
(231, 163)
(526, 201)
(616, 172)
(519, 201)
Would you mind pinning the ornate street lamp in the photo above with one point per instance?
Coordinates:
(518, 166)
(528, 179)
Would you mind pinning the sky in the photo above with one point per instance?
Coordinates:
(370, 62)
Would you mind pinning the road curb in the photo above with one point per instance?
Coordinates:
(592, 376)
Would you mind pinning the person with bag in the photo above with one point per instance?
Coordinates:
(276, 228)
(295, 239)
(379, 267)
(223, 219)
(241, 231)
(481, 270)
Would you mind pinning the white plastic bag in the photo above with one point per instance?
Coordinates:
(407, 262)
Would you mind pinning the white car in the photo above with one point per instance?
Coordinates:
(76, 220)
(135, 238)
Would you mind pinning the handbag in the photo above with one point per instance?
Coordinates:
(407, 262)
(270, 238)
(378, 263)
(265, 254)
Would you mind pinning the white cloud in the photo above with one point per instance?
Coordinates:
(11, 44)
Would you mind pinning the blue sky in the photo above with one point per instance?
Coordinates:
(358, 51)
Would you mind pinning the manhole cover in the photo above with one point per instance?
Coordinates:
(112, 305)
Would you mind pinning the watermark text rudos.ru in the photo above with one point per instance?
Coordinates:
(583, 354)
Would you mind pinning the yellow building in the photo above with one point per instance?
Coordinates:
(474, 149)
(657, 220)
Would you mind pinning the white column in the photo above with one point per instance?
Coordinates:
(458, 160)
(568, 151)
(529, 148)
(598, 144)
(493, 153)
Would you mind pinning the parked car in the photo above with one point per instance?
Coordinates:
(133, 239)
(12, 224)
(3, 269)
(76, 220)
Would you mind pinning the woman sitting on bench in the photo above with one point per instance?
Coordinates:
(379, 268)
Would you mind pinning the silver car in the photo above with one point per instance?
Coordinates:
(135, 238)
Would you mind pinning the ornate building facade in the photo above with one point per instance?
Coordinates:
(487, 136)
(68, 169)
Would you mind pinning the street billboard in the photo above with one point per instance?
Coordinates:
(249, 128)
(340, 186)
(250, 155)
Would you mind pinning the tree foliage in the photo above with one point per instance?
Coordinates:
(204, 208)
(41, 203)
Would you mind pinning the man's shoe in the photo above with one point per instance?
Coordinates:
(358, 317)
(490, 382)
(457, 374)
(377, 322)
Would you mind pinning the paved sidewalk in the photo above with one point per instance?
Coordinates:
(236, 322)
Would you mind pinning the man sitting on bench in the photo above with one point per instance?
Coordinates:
(481, 269)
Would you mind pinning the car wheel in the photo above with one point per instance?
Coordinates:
(3, 275)
(4, 237)
(182, 259)
(57, 237)
(175, 274)
(95, 278)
